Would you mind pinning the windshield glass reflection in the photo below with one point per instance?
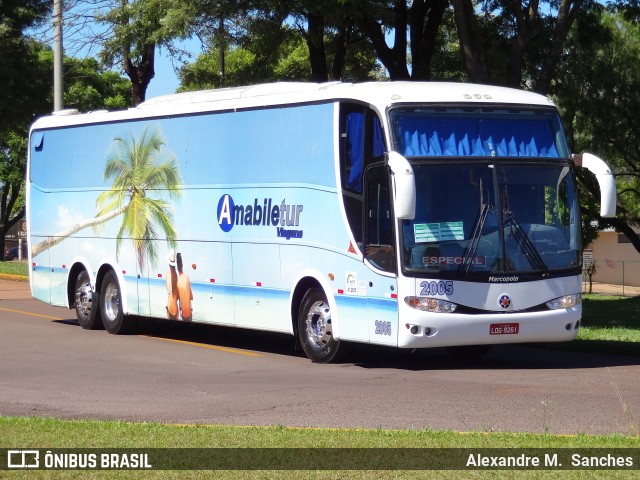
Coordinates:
(488, 219)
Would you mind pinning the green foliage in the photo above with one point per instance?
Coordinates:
(610, 325)
(249, 64)
(597, 90)
(14, 269)
(89, 86)
(55, 433)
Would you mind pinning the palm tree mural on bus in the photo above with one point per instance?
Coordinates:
(142, 172)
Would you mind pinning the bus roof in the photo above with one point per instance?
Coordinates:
(378, 94)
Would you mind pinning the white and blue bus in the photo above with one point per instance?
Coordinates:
(411, 215)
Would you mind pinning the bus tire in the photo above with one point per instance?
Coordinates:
(113, 318)
(87, 303)
(469, 351)
(315, 329)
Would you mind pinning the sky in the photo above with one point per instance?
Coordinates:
(165, 81)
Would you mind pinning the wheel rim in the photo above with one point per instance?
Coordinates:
(319, 324)
(112, 302)
(84, 299)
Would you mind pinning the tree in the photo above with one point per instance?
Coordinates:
(515, 43)
(329, 31)
(597, 89)
(269, 31)
(421, 18)
(21, 82)
(87, 87)
(253, 63)
(13, 147)
(132, 44)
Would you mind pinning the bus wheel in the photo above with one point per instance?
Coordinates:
(87, 304)
(469, 351)
(315, 329)
(113, 317)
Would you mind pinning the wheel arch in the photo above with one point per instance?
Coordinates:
(312, 279)
(77, 265)
(80, 263)
(112, 265)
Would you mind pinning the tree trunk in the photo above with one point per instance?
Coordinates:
(567, 13)
(10, 193)
(394, 59)
(140, 74)
(425, 19)
(315, 43)
(470, 41)
(341, 52)
(520, 42)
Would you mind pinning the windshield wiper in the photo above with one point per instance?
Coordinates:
(475, 239)
(525, 243)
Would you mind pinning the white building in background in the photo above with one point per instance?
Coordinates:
(618, 262)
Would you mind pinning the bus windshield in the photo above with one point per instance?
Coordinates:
(495, 193)
(486, 219)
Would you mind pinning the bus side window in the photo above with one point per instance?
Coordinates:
(361, 144)
(354, 150)
(379, 220)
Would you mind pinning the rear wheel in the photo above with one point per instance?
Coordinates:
(87, 304)
(315, 328)
(113, 316)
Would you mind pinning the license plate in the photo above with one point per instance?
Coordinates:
(504, 328)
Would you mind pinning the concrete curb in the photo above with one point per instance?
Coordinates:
(15, 278)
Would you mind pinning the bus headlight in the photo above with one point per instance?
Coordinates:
(565, 302)
(427, 304)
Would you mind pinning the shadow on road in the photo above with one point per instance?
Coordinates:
(500, 357)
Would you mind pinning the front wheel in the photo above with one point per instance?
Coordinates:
(87, 304)
(113, 316)
(315, 328)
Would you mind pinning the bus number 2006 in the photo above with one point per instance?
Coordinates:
(383, 328)
(437, 288)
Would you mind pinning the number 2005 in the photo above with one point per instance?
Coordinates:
(437, 288)
(383, 328)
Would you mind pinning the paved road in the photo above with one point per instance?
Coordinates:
(200, 374)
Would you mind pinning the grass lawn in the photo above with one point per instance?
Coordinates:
(14, 269)
(610, 325)
(18, 432)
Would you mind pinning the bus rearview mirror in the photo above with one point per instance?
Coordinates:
(404, 186)
(605, 179)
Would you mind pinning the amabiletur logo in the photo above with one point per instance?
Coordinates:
(23, 459)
